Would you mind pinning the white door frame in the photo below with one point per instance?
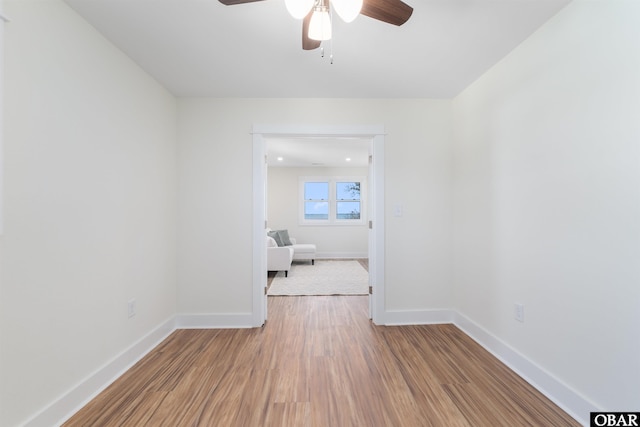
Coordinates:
(376, 214)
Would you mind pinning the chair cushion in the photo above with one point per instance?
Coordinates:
(281, 237)
(304, 251)
(304, 248)
(276, 236)
(284, 236)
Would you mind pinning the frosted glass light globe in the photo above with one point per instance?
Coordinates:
(348, 10)
(299, 8)
(320, 25)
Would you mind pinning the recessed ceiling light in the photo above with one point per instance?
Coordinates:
(348, 159)
(280, 159)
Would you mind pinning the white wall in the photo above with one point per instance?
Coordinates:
(90, 182)
(215, 200)
(547, 200)
(283, 204)
(545, 182)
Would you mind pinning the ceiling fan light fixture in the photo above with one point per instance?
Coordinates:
(320, 25)
(347, 10)
(299, 8)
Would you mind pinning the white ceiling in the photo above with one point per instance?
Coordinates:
(318, 152)
(203, 48)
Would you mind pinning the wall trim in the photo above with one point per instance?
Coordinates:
(71, 402)
(215, 321)
(555, 390)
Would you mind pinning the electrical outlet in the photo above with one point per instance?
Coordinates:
(519, 312)
(131, 307)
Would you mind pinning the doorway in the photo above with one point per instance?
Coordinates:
(375, 134)
(317, 190)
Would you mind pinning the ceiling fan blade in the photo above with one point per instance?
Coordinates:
(233, 2)
(394, 12)
(307, 43)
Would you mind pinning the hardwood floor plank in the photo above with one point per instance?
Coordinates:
(290, 414)
(319, 361)
(422, 379)
(293, 381)
(180, 406)
(472, 403)
(223, 406)
(391, 392)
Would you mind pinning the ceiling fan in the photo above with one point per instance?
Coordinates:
(316, 25)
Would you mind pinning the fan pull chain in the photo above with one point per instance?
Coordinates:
(331, 50)
(331, 41)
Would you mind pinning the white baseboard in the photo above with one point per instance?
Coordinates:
(214, 321)
(423, 317)
(559, 393)
(63, 408)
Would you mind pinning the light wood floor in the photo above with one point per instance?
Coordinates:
(320, 362)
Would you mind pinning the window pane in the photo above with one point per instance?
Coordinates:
(348, 210)
(348, 191)
(316, 191)
(316, 210)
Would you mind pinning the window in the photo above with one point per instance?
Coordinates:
(332, 200)
(348, 200)
(316, 200)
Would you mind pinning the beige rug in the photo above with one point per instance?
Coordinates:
(326, 277)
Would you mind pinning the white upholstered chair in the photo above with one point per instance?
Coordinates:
(278, 257)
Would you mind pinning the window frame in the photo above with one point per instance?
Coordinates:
(315, 200)
(333, 219)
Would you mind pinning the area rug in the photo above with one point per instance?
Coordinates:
(326, 277)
